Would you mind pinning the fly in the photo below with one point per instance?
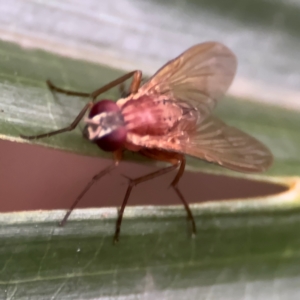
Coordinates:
(168, 117)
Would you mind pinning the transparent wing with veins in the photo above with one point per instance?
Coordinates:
(198, 78)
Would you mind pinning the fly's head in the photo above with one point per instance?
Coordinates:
(105, 126)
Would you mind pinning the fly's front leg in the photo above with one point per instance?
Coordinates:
(135, 85)
(93, 96)
(53, 87)
(136, 82)
(123, 92)
(71, 127)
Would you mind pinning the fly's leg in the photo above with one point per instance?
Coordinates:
(136, 81)
(117, 159)
(88, 186)
(53, 87)
(134, 182)
(172, 158)
(174, 184)
(135, 84)
(123, 91)
(71, 127)
(137, 75)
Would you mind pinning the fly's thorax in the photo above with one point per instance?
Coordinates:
(105, 126)
(150, 115)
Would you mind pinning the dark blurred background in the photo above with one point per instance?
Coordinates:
(34, 177)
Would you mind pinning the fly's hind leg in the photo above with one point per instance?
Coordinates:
(174, 185)
(177, 160)
(180, 160)
(133, 183)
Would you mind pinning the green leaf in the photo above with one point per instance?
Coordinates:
(234, 256)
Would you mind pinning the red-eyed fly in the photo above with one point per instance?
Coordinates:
(169, 116)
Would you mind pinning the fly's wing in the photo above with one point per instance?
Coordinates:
(199, 76)
(216, 142)
(227, 146)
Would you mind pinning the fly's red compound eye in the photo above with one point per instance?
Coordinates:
(113, 141)
(116, 139)
(103, 106)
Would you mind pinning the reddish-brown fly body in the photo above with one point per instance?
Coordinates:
(168, 117)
